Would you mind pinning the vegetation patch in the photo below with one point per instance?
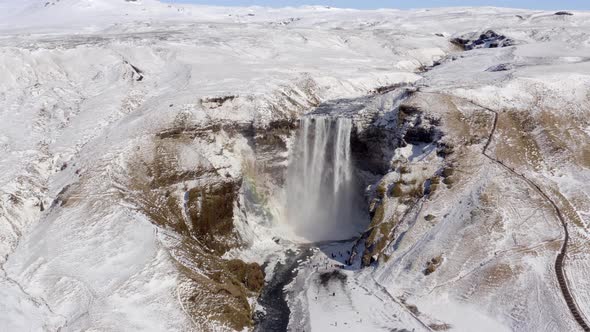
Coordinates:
(449, 182)
(404, 169)
(396, 190)
(433, 264)
(440, 327)
(198, 207)
(434, 183)
(211, 213)
(249, 274)
(416, 191)
(429, 217)
(444, 150)
(517, 145)
(447, 171)
(382, 189)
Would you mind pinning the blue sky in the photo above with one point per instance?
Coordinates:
(368, 4)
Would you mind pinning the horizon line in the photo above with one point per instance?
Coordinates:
(369, 9)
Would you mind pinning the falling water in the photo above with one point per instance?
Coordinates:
(322, 199)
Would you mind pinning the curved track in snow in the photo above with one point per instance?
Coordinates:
(560, 259)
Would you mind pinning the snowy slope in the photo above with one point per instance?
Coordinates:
(88, 88)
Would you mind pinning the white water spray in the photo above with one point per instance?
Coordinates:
(322, 198)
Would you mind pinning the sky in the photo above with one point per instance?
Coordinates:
(403, 4)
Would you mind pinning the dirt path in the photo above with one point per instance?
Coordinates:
(559, 261)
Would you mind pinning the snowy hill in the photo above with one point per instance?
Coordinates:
(176, 167)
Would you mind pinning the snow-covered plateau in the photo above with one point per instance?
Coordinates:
(168, 167)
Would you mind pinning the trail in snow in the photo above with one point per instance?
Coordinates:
(328, 295)
(559, 266)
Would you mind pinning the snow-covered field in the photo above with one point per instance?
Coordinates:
(113, 111)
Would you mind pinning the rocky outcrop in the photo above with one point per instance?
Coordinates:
(179, 183)
(428, 140)
(193, 204)
(384, 123)
(500, 67)
(215, 102)
(487, 39)
(270, 147)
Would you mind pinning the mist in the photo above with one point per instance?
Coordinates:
(323, 196)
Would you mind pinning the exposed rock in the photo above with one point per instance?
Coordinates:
(432, 265)
(377, 131)
(270, 147)
(287, 21)
(137, 73)
(334, 275)
(440, 327)
(210, 210)
(488, 39)
(197, 203)
(215, 102)
(251, 275)
(414, 127)
(500, 67)
(563, 13)
(396, 202)
(388, 88)
(417, 127)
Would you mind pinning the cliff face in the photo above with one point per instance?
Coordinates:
(429, 135)
(199, 184)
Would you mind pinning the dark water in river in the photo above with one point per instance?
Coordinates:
(273, 298)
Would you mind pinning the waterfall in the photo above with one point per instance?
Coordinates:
(322, 198)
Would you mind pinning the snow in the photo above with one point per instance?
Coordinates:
(463, 317)
(70, 98)
(353, 303)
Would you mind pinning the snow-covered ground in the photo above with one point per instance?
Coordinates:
(87, 85)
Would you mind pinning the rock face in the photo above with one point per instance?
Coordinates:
(500, 67)
(487, 39)
(196, 206)
(384, 124)
(175, 183)
(375, 134)
(399, 127)
(431, 140)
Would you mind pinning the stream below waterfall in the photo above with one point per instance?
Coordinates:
(273, 297)
(277, 310)
(323, 205)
